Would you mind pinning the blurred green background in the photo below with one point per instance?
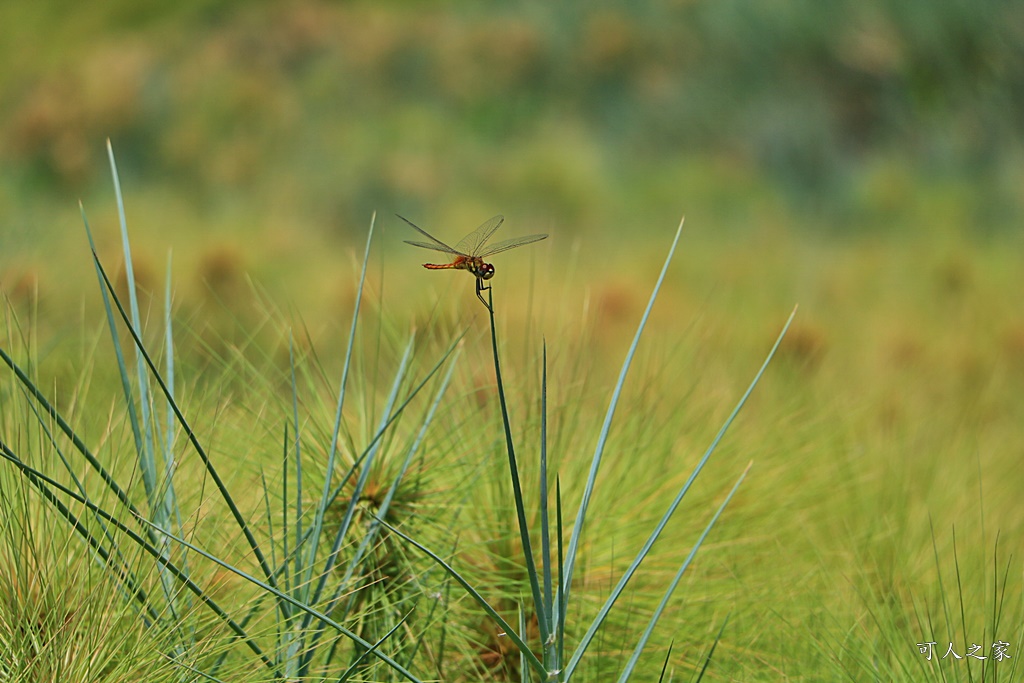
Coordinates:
(259, 137)
(585, 118)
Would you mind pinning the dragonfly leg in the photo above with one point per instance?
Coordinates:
(479, 289)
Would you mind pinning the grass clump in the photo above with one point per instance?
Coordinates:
(398, 510)
(306, 572)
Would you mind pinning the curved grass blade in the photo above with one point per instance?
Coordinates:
(491, 612)
(7, 454)
(602, 439)
(635, 657)
(620, 586)
(37, 479)
(325, 497)
(193, 439)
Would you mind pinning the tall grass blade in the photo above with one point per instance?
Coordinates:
(170, 465)
(560, 602)
(144, 441)
(159, 494)
(325, 497)
(602, 439)
(142, 433)
(122, 365)
(550, 650)
(517, 491)
(635, 657)
(193, 439)
(620, 586)
(350, 511)
(296, 427)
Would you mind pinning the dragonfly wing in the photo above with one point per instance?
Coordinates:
(474, 242)
(505, 245)
(435, 247)
(435, 244)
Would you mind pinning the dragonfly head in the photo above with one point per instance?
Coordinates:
(484, 271)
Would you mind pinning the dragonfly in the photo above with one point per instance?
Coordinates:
(469, 252)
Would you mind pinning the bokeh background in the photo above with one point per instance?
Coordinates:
(262, 130)
(861, 158)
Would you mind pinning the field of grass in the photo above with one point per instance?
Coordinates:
(823, 158)
(881, 510)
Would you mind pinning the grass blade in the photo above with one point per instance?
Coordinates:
(631, 664)
(37, 478)
(517, 491)
(325, 497)
(664, 665)
(592, 630)
(193, 439)
(491, 612)
(577, 531)
(144, 432)
(550, 651)
(711, 652)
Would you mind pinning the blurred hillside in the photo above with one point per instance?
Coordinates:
(843, 116)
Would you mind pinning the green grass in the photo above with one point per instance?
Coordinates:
(880, 510)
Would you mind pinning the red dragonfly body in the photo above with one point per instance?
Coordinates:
(470, 251)
(474, 264)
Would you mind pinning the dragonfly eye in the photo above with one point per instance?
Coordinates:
(486, 272)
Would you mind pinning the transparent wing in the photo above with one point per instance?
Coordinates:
(435, 244)
(505, 245)
(435, 247)
(474, 242)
